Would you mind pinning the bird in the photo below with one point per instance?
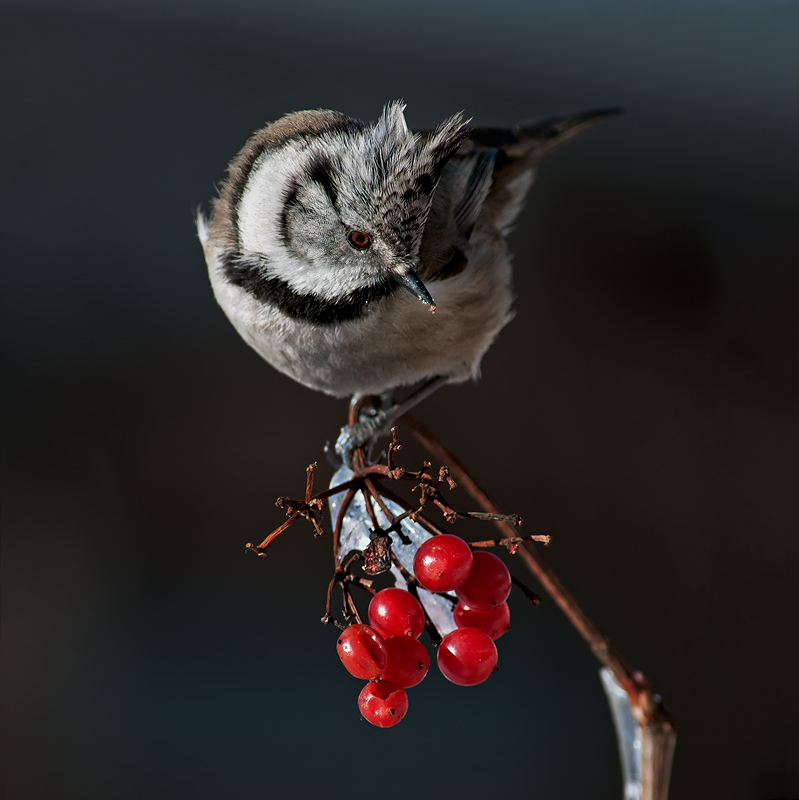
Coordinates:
(360, 258)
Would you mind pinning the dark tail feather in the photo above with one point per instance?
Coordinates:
(539, 138)
(529, 142)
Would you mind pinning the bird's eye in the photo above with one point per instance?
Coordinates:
(359, 240)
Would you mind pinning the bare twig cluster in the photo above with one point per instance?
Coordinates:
(370, 480)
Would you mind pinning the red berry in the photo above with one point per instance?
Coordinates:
(489, 584)
(467, 656)
(395, 612)
(443, 563)
(494, 621)
(362, 651)
(408, 661)
(383, 703)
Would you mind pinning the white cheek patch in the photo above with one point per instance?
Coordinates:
(261, 202)
(260, 211)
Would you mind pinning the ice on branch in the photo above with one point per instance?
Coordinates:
(355, 532)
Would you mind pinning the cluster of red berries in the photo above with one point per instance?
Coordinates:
(388, 653)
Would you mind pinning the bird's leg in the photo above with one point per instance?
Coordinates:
(369, 420)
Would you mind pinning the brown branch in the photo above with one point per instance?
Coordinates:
(648, 708)
(511, 519)
(395, 445)
(327, 618)
(367, 500)
(309, 471)
(511, 543)
(306, 510)
(363, 583)
(260, 550)
(339, 488)
(350, 603)
(394, 526)
(343, 576)
(342, 511)
(401, 501)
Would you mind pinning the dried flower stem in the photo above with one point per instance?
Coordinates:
(512, 542)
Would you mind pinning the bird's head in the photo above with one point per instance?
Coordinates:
(332, 207)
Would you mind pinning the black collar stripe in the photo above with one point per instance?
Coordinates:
(251, 275)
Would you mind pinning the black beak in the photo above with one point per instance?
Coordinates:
(411, 281)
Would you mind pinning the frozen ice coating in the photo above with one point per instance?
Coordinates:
(355, 530)
(355, 536)
(628, 734)
(438, 608)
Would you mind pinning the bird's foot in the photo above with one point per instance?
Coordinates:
(373, 420)
(370, 425)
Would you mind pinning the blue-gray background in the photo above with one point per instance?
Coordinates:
(640, 408)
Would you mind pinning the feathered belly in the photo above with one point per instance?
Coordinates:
(397, 342)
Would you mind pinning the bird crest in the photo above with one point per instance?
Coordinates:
(396, 173)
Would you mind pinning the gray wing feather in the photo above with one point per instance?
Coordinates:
(480, 170)
(489, 176)
(518, 151)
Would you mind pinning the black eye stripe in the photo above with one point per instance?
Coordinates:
(321, 173)
(290, 201)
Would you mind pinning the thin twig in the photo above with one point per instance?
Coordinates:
(327, 618)
(395, 526)
(526, 590)
(512, 542)
(342, 511)
(401, 501)
(367, 501)
(261, 548)
(338, 488)
(511, 519)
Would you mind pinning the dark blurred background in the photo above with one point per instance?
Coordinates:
(640, 408)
